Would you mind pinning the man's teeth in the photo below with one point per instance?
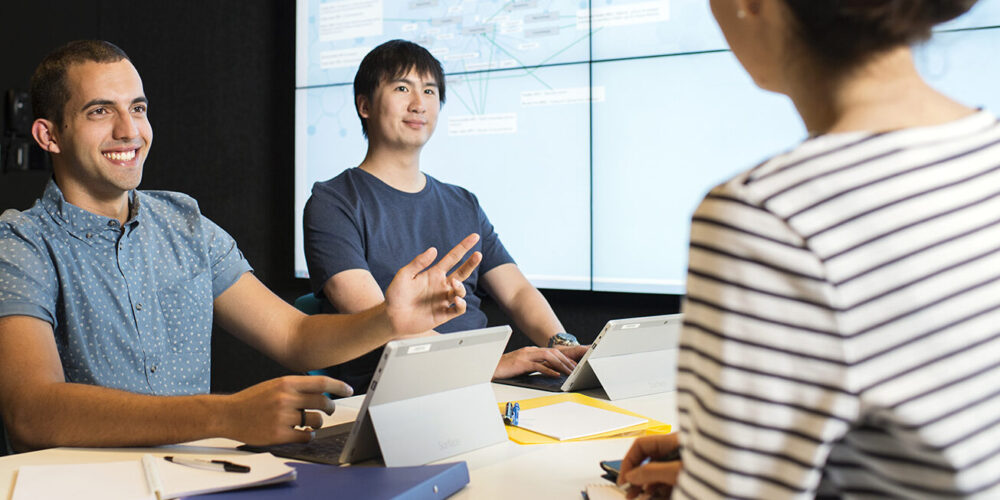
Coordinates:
(121, 156)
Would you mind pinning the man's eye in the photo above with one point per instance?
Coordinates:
(99, 111)
(401, 88)
(139, 109)
(429, 91)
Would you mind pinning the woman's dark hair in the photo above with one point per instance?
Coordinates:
(845, 32)
(49, 88)
(392, 60)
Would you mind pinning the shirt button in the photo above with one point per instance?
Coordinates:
(152, 369)
(138, 307)
(90, 235)
(112, 223)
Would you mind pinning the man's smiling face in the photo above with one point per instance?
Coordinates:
(105, 135)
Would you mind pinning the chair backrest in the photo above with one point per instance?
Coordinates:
(311, 304)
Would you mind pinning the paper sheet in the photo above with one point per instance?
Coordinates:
(127, 480)
(569, 420)
(121, 480)
(605, 491)
(524, 436)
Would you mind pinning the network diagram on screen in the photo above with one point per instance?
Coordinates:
(589, 130)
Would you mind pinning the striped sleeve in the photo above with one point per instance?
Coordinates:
(762, 381)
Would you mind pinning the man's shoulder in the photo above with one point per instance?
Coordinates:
(453, 191)
(345, 186)
(26, 223)
(168, 202)
(25, 237)
(344, 181)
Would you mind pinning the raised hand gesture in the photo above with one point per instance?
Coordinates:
(421, 297)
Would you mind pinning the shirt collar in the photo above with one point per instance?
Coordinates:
(79, 221)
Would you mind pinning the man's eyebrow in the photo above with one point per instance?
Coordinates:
(98, 102)
(107, 102)
(410, 82)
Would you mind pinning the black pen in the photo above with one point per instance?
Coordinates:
(216, 465)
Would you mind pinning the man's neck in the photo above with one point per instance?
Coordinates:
(115, 206)
(398, 169)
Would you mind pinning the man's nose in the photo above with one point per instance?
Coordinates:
(125, 127)
(417, 103)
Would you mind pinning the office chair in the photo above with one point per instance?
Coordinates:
(309, 304)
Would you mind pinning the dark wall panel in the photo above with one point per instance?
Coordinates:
(218, 75)
(30, 30)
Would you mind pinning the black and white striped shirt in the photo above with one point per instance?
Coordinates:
(842, 323)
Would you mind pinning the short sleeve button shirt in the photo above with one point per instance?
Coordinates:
(130, 306)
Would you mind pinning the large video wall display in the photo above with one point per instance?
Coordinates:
(589, 131)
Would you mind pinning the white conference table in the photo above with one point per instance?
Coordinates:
(502, 471)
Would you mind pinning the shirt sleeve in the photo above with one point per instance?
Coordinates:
(494, 253)
(332, 237)
(762, 380)
(27, 279)
(226, 259)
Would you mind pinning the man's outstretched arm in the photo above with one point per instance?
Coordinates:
(419, 298)
(40, 409)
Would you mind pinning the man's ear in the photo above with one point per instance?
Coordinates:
(44, 132)
(363, 106)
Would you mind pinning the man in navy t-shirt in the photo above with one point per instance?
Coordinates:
(361, 225)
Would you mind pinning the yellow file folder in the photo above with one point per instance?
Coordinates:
(524, 436)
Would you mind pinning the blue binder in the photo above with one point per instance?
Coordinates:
(425, 482)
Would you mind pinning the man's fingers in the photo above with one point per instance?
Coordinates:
(465, 270)
(312, 419)
(574, 352)
(544, 369)
(318, 384)
(298, 436)
(457, 307)
(453, 256)
(418, 264)
(317, 402)
(457, 288)
(557, 361)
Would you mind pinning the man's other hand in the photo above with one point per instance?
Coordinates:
(269, 412)
(548, 361)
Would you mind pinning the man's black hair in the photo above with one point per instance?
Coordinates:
(49, 88)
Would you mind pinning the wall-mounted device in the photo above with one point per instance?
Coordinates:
(18, 150)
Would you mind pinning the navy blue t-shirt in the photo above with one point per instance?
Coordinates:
(356, 221)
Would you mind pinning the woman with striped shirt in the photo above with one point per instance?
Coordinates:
(841, 330)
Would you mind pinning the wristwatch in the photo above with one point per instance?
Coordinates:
(563, 339)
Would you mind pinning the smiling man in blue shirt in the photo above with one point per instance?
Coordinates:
(108, 294)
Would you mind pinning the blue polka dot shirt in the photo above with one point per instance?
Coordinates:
(130, 306)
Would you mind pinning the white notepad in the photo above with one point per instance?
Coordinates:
(127, 481)
(605, 491)
(568, 420)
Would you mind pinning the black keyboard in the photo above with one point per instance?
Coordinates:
(552, 384)
(324, 450)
